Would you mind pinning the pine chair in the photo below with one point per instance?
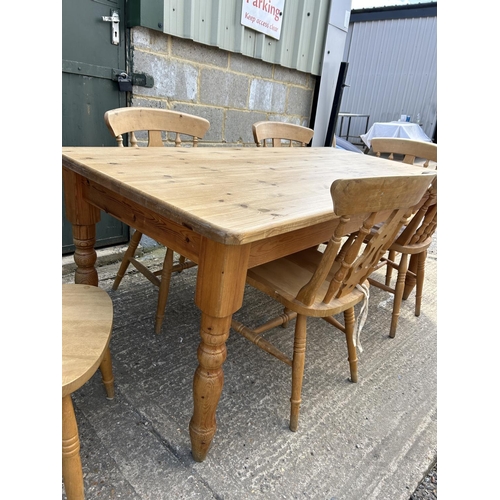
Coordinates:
(416, 237)
(323, 284)
(408, 148)
(155, 122)
(87, 320)
(269, 133)
(414, 240)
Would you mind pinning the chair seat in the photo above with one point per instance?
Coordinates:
(412, 249)
(282, 279)
(87, 320)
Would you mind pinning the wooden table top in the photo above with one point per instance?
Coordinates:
(231, 195)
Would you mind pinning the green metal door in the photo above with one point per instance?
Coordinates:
(91, 62)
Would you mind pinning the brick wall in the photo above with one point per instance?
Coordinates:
(230, 90)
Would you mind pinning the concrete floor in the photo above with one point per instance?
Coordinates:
(372, 440)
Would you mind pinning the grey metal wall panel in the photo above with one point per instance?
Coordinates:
(218, 23)
(392, 71)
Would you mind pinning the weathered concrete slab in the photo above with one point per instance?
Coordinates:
(370, 440)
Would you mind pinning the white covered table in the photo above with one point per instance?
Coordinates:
(405, 130)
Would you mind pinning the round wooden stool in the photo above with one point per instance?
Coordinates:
(87, 320)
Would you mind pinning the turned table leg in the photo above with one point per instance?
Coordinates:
(207, 383)
(219, 293)
(85, 255)
(83, 218)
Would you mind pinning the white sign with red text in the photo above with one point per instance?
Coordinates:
(264, 16)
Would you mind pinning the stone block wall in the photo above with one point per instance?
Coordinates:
(230, 90)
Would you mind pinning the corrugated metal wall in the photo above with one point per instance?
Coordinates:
(392, 71)
(218, 23)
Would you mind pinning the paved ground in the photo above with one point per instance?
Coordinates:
(372, 440)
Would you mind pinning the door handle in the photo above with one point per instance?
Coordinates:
(114, 19)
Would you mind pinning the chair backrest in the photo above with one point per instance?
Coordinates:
(277, 132)
(382, 205)
(409, 148)
(423, 223)
(154, 121)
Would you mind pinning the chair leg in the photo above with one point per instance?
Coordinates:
(129, 254)
(349, 321)
(71, 462)
(166, 275)
(108, 380)
(299, 357)
(286, 312)
(398, 293)
(410, 276)
(420, 281)
(388, 271)
(182, 259)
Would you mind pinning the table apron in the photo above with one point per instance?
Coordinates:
(179, 238)
(187, 242)
(278, 246)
